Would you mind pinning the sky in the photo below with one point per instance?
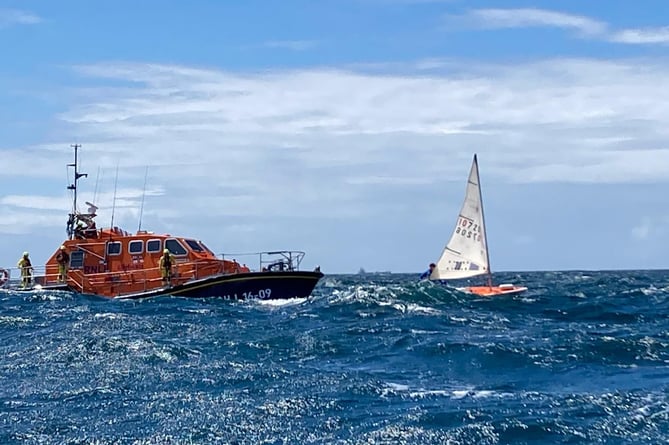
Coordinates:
(342, 128)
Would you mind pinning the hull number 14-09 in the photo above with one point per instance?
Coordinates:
(262, 294)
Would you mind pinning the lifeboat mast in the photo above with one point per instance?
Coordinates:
(72, 220)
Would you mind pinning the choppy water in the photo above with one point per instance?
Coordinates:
(583, 357)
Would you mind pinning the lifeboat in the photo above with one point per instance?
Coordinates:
(113, 263)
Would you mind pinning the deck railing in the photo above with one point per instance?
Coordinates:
(13, 277)
(278, 260)
(134, 281)
(131, 281)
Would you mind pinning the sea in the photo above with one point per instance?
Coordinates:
(581, 357)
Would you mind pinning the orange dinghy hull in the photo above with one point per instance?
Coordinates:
(493, 291)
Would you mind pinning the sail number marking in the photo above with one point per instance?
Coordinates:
(468, 229)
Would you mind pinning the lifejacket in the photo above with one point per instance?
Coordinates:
(62, 257)
(167, 261)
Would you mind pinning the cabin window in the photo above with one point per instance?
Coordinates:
(77, 260)
(153, 245)
(175, 247)
(194, 245)
(114, 248)
(206, 248)
(135, 247)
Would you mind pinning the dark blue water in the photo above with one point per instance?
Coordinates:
(583, 357)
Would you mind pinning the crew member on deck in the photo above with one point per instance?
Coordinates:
(26, 270)
(79, 230)
(428, 272)
(166, 263)
(91, 230)
(63, 260)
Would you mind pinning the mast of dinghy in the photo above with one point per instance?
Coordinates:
(485, 235)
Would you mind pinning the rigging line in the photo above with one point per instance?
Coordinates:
(141, 209)
(97, 180)
(114, 202)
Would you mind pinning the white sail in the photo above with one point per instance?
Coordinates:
(466, 254)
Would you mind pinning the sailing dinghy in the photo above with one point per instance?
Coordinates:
(466, 254)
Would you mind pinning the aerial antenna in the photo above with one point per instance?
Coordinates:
(114, 201)
(77, 175)
(97, 180)
(71, 220)
(141, 208)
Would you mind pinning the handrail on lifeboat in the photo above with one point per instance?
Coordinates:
(38, 276)
(125, 281)
(121, 280)
(77, 277)
(276, 260)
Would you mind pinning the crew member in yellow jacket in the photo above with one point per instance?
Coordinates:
(166, 263)
(63, 260)
(26, 270)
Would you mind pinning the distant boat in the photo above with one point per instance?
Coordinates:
(466, 254)
(362, 271)
(112, 263)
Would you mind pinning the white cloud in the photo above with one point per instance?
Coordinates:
(595, 110)
(24, 222)
(529, 17)
(585, 26)
(642, 36)
(35, 202)
(281, 142)
(284, 154)
(9, 17)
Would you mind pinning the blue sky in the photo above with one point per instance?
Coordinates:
(344, 128)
